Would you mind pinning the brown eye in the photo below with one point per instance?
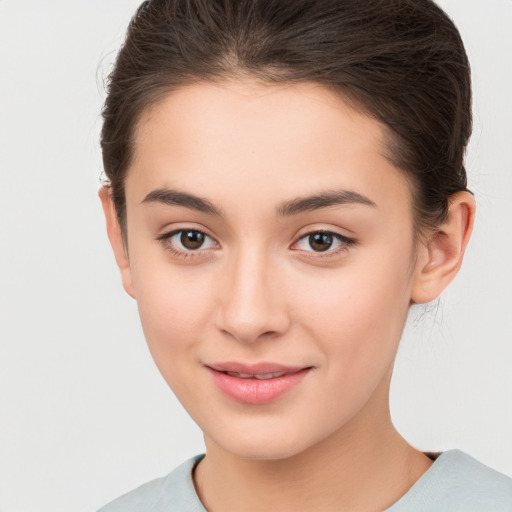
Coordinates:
(328, 242)
(320, 241)
(185, 243)
(192, 239)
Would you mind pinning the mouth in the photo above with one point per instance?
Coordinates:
(261, 376)
(256, 384)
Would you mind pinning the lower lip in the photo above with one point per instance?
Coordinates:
(256, 391)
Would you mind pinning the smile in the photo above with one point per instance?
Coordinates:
(263, 376)
(256, 384)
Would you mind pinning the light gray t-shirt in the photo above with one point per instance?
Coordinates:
(454, 483)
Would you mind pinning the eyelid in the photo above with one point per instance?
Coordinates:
(165, 239)
(345, 243)
(178, 227)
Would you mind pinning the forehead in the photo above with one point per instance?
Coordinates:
(269, 141)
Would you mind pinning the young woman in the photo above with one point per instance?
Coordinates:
(286, 179)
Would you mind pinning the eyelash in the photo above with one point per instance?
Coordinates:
(165, 239)
(345, 243)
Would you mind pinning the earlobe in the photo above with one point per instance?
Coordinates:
(440, 257)
(115, 236)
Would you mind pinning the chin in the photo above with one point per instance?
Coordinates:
(277, 450)
(265, 442)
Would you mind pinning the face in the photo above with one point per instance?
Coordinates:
(272, 256)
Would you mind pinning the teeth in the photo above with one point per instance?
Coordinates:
(263, 376)
(269, 375)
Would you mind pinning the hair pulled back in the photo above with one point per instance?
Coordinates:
(401, 61)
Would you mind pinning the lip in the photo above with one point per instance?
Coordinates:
(256, 383)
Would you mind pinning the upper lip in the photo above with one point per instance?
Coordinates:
(263, 368)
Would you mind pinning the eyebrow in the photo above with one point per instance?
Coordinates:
(322, 200)
(293, 207)
(176, 198)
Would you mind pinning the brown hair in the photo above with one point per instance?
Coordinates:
(401, 61)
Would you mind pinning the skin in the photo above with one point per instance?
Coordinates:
(257, 291)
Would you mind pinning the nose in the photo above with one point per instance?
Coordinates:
(252, 306)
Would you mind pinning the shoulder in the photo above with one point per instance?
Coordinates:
(172, 493)
(456, 482)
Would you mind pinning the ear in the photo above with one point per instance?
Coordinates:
(440, 256)
(117, 242)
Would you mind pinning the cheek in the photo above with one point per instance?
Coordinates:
(176, 309)
(356, 319)
(357, 313)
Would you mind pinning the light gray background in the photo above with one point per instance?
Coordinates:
(84, 414)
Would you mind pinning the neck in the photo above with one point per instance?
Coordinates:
(356, 468)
